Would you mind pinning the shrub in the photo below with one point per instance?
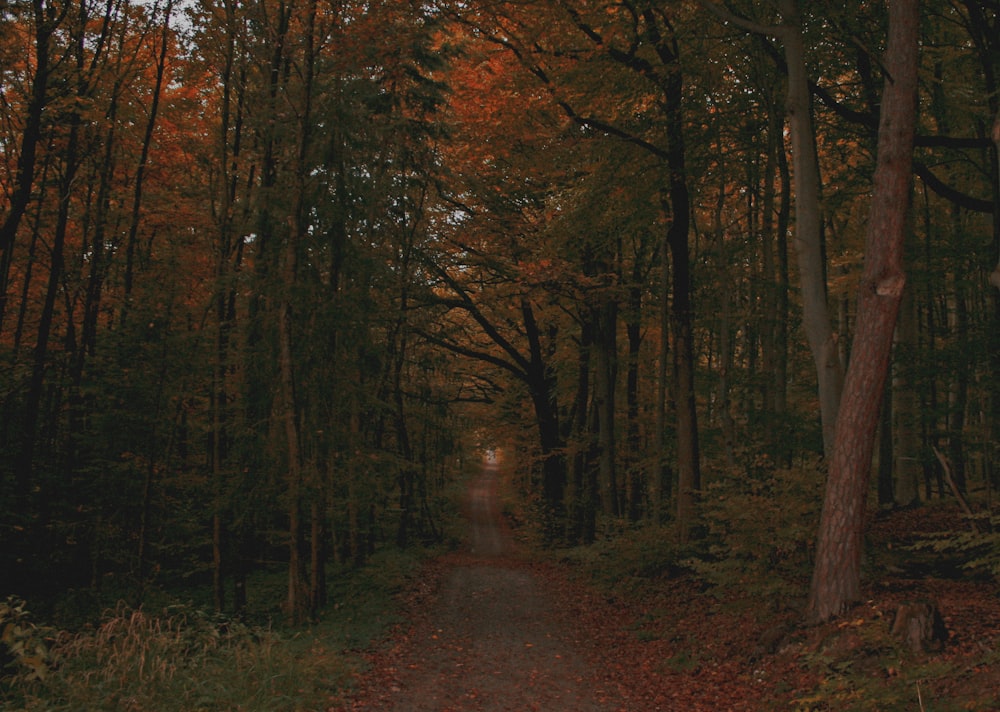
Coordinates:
(758, 534)
(631, 560)
(978, 547)
(180, 658)
(24, 646)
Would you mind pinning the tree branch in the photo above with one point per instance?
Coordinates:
(946, 191)
(465, 302)
(483, 356)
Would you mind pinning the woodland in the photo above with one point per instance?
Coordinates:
(718, 276)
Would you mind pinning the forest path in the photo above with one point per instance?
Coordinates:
(488, 635)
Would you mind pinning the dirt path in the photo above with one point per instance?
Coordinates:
(487, 636)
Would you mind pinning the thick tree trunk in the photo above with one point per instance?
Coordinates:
(541, 385)
(679, 206)
(837, 576)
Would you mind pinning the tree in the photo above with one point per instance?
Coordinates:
(638, 45)
(837, 574)
(808, 215)
(45, 19)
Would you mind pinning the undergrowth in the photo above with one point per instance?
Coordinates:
(631, 561)
(759, 535)
(755, 534)
(181, 658)
(862, 668)
(978, 547)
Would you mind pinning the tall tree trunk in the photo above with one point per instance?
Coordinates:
(661, 487)
(30, 137)
(131, 244)
(581, 519)
(993, 407)
(634, 471)
(541, 384)
(995, 275)
(783, 450)
(605, 369)
(397, 344)
(677, 203)
(837, 575)
(25, 462)
(925, 426)
(406, 475)
(723, 402)
(769, 335)
(958, 386)
(885, 487)
(808, 227)
(299, 603)
(228, 258)
(905, 407)
(296, 604)
(317, 555)
(27, 280)
(725, 329)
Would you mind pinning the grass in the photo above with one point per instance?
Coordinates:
(180, 658)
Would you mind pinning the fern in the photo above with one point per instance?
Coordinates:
(980, 544)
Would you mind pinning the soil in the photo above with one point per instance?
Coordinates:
(490, 628)
(486, 633)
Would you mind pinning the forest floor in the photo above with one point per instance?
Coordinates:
(492, 627)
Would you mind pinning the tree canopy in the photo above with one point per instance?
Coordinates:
(272, 272)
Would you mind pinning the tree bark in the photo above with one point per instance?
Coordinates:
(808, 227)
(837, 575)
(296, 604)
(71, 163)
(581, 515)
(605, 370)
(661, 487)
(678, 203)
(995, 275)
(30, 137)
(782, 449)
(541, 384)
(905, 409)
(147, 142)
(635, 472)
